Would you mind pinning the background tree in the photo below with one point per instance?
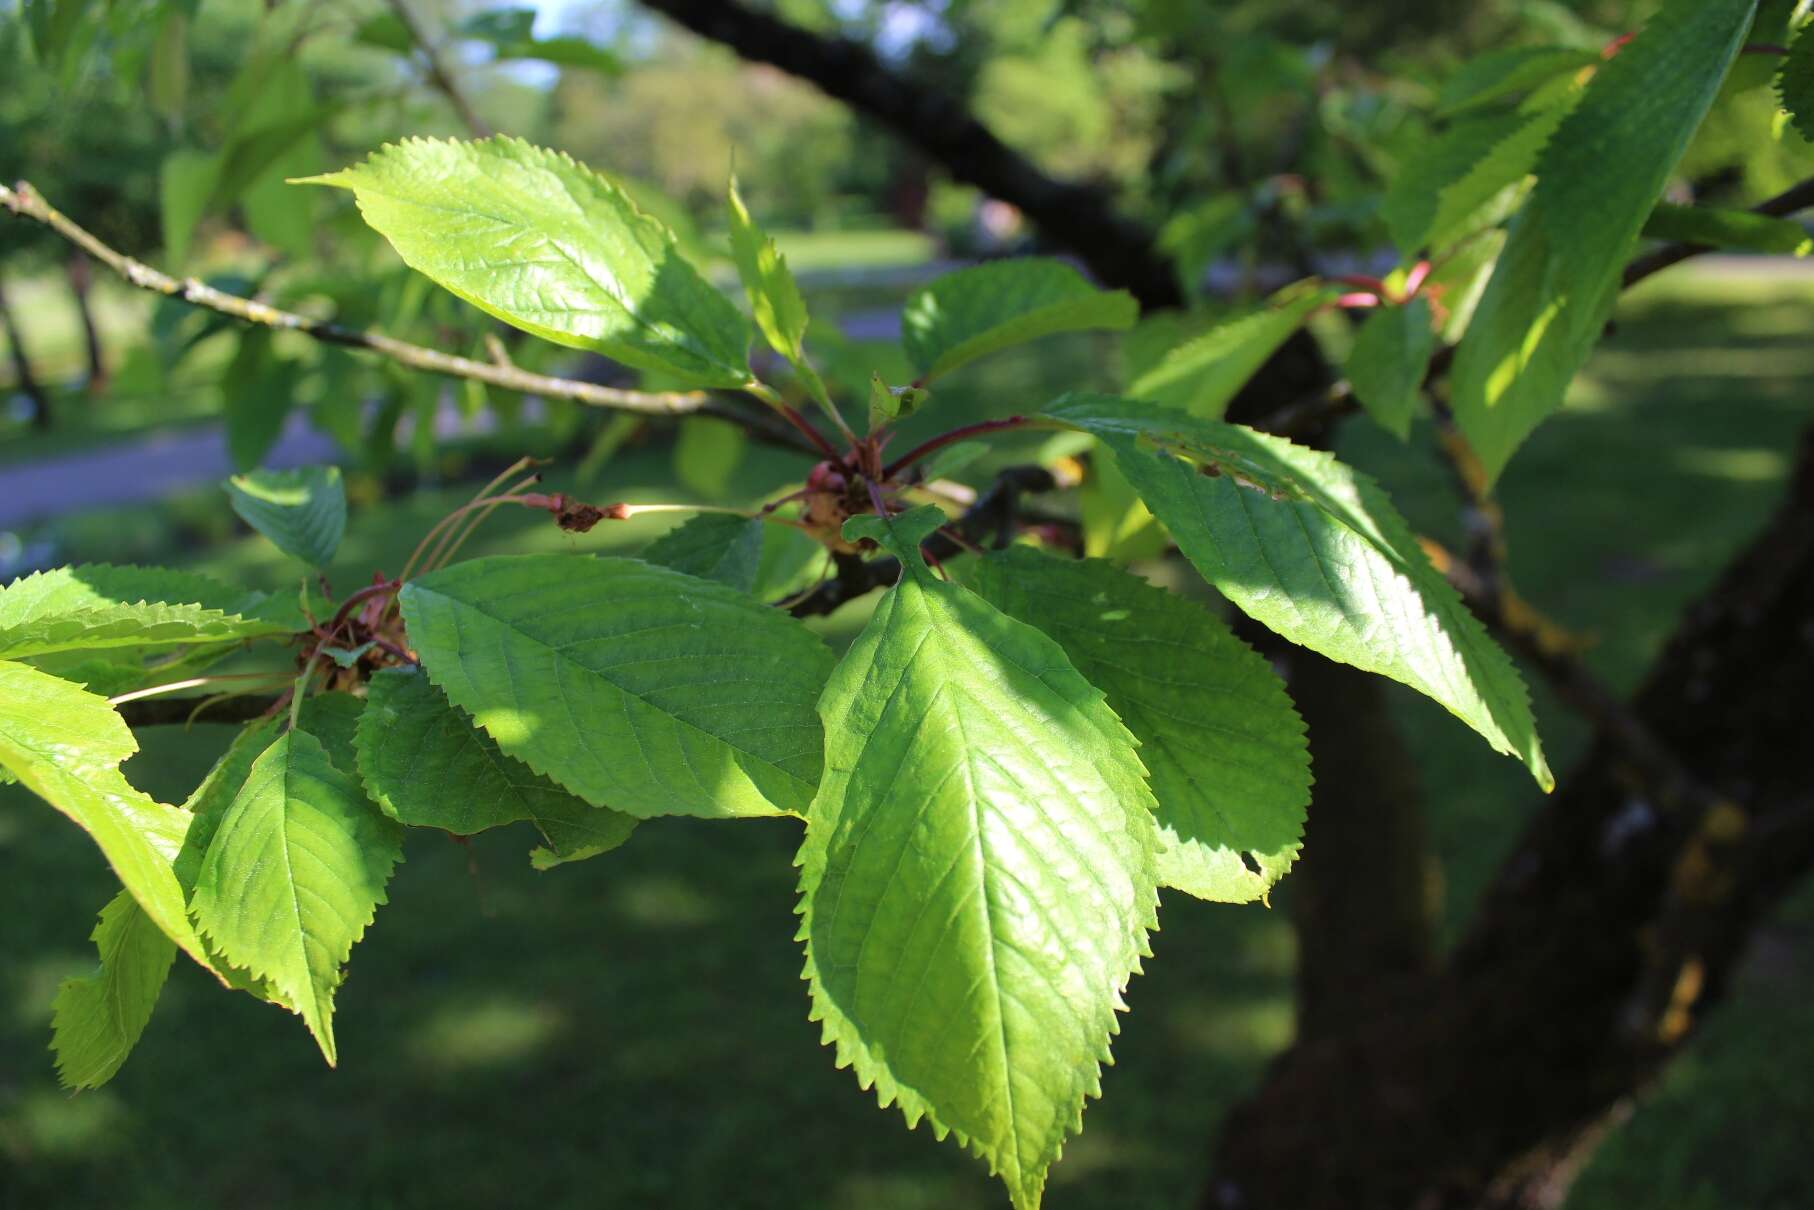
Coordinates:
(1186, 147)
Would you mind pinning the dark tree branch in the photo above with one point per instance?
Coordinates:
(1610, 931)
(180, 711)
(1117, 250)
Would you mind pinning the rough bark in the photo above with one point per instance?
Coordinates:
(1608, 933)
(1361, 896)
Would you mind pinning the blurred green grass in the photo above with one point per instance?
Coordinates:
(632, 1030)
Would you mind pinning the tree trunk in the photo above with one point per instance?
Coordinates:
(23, 377)
(1610, 930)
(1361, 895)
(80, 278)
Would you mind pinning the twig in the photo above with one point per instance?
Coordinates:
(991, 518)
(27, 202)
(438, 72)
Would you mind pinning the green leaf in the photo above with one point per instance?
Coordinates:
(167, 81)
(563, 50)
(1116, 524)
(65, 745)
(713, 546)
(1500, 75)
(302, 512)
(707, 453)
(207, 806)
(102, 607)
(428, 766)
(1389, 361)
(385, 31)
(1795, 82)
(635, 687)
(186, 180)
(294, 874)
(259, 391)
(977, 874)
(1469, 178)
(1597, 181)
(888, 403)
(1317, 553)
(973, 312)
(97, 1019)
(1205, 372)
(552, 247)
(774, 296)
(1224, 748)
(1716, 228)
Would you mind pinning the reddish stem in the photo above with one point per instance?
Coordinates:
(364, 594)
(1361, 281)
(809, 432)
(1764, 48)
(944, 439)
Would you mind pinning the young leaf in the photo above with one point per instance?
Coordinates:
(302, 512)
(1597, 181)
(1316, 552)
(774, 297)
(1717, 228)
(97, 1019)
(102, 607)
(1205, 372)
(207, 806)
(428, 766)
(294, 874)
(1501, 75)
(635, 687)
(186, 181)
(65, 745)
(973, 312)
(1795, 82)
(1391, 355)
(1116, 525)
(552, 247)
(713, 546)
(1466, 179)
(1224, 749)
(977, 875)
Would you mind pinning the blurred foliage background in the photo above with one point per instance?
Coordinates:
(631, 1031)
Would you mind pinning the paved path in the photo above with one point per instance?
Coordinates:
(155, 465)
(149, 467)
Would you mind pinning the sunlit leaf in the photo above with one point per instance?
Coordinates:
(977, 875)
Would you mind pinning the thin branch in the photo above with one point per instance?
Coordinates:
(181, 711)
(438, 72)
(27, 202)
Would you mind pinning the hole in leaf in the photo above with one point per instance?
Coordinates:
(1252, 864)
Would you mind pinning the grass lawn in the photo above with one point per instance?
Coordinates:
(631, 1031)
